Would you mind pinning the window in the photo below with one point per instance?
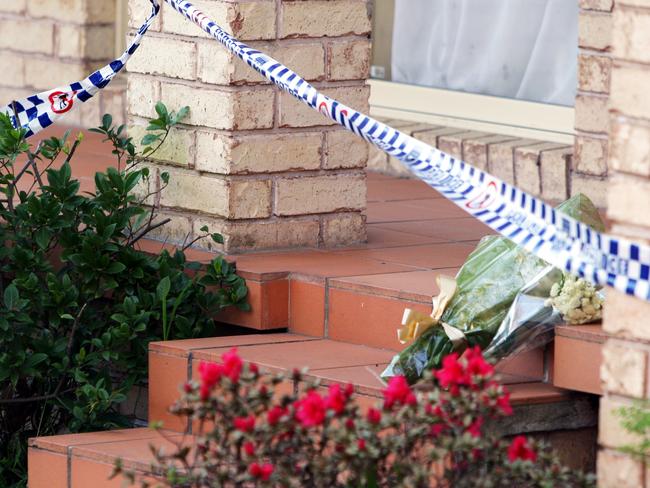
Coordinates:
(506, 66)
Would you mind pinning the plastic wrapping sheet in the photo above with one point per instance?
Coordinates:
(500, 302)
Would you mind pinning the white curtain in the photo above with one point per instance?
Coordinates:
(525, 49)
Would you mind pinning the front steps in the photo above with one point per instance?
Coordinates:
(336, 311)
(562, 418)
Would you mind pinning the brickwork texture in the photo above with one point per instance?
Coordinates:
(48, 43)
(252, 162)
(624, 372)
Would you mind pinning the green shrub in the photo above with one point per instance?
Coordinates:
(78, 302)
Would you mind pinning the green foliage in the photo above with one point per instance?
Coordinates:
(636, 420)
(79, 303)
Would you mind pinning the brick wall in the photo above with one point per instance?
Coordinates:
(48, 43)
(251, 162)
(541, 168)
(626, 353)
(590, 168)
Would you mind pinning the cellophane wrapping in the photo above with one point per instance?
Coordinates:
(501, 302)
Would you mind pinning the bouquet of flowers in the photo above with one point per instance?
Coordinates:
(504, 300)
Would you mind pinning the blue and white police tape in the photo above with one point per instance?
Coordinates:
(529, 222)
(39, 111)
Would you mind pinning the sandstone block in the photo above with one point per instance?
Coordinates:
(246, 236)
(296, 114)
(432, 136)
(177, 231)
(604, 5)
(343, 229)
(591, 155)
(594, 187)
(554, 172)
(527, 161)
(594, 73)
(592, 113)
(219, 153)
(628, 194)
(90, 42)
(234, 199)
(475, 150)
(153, 58)
(595, 30)
(15, 7)
(452, 144)
(222, 109)
(139, 11)
(618, 470)
(345, 150)
(611, 432)
(626, 316)
(143, 92)
(76, 11)
(629, 91)
(320, 194)
(316, 18)
(630, 151)
(623, 370)
(501, 158)
(217, 66)
(44, 74)
(178, 148)
(39, 32)
(631, 34)
(244, 20)
(13, 73)
(349, 60)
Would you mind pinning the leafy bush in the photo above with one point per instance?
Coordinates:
(636, 421)
(79, 303)
(250, 436)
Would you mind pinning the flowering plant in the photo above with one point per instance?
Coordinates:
(248, 435)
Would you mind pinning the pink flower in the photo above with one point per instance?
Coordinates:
(519, 449)
(361, 444)
(336, 399)
(398, 392)
(503, 402)
(245, 424)
(249, 448)
(210, 374)
(452, 372)
(476, 364)
(262, 472)
(475, 427)
(437, 429)
(373, 415)
(310, 410)
(232, 364)
(274, 415)
(253, 368)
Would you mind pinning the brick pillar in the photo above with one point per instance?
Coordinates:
(625, 358)
(251, 162)
(47, 43)
(591, 117)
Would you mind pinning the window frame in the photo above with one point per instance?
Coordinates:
(472, 111)
(455, 108)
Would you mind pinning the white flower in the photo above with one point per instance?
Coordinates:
(576, 299)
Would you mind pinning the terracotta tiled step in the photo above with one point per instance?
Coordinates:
(577, 357)
(175, 362)
(87, 460)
